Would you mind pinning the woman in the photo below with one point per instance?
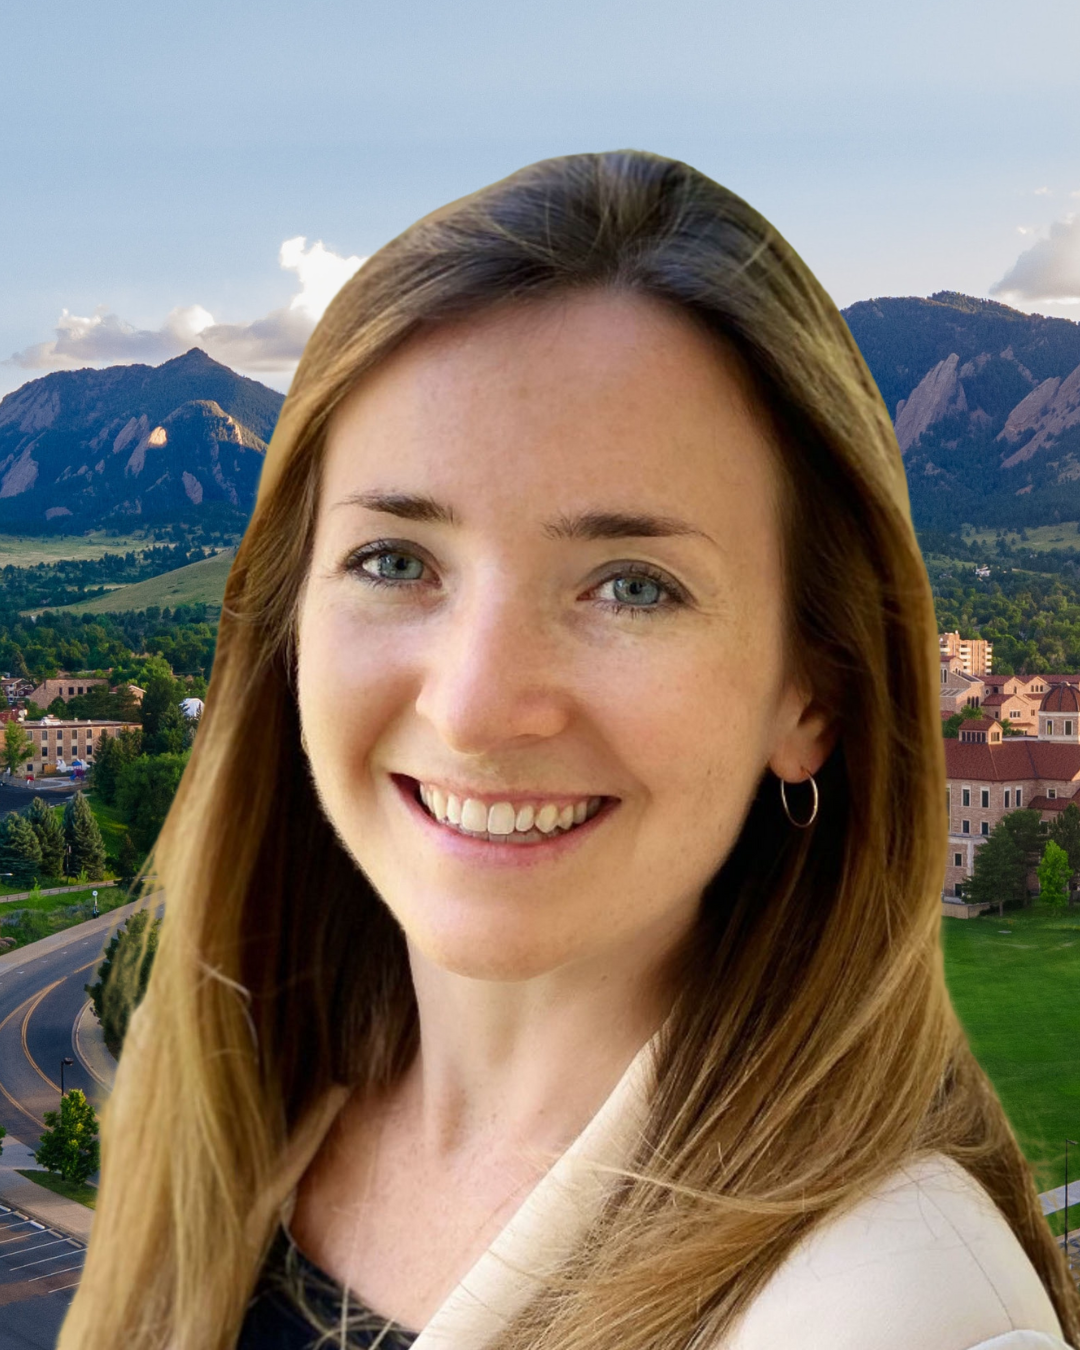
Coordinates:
(583, 528)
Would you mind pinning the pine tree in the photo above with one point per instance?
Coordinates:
(123, 977)
(20, 852)
(85, 850)
(999, 871)
(69, 1145)
(127, 864)
(1029, 833)
(112, 753)
(50, 835)
(163, 722)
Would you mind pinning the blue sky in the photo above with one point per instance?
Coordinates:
(156, 158)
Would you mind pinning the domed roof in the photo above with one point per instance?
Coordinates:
(1061, 698)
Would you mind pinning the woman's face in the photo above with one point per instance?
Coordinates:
(583, 453)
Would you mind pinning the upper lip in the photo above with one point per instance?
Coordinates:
(506, 795)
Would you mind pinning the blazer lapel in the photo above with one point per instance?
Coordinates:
(548, 1224)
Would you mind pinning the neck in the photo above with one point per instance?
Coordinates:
(524, 1065)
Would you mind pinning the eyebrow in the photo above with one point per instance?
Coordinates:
(586, 525)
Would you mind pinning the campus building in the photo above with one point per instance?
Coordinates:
(65, 687)
(58, 742)
(975, 654)
(989, 774)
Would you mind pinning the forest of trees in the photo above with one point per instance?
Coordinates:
(1028, 607)
(101, 643)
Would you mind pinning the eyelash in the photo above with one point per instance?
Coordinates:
(678, 597)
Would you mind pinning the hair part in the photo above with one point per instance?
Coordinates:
(812, 1048)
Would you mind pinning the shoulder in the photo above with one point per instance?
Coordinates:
(926, 1261)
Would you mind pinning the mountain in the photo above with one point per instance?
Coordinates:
(81, 449)
(985, 401)
(986, 405)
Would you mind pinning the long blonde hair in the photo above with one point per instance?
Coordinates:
(812, 1048)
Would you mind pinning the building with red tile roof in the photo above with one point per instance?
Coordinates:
(989, 774)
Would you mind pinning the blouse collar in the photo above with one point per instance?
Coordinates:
(544, 1230)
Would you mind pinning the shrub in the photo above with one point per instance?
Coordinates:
(69, 1145)
(123, 977)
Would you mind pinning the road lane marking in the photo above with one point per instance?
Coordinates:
(34, 1001)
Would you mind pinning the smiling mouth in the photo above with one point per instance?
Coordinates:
(531, 836)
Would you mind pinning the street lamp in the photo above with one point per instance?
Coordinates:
(94, 893)
(69, 1062)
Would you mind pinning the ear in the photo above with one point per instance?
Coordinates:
(806, 735)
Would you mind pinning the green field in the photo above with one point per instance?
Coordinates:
(1015, 984)
(18, 550)
(1039, 537)
(200, 581)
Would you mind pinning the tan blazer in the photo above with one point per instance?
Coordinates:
(927, 1262)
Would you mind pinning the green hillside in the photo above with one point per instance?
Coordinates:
(29, 550)
(201, 581)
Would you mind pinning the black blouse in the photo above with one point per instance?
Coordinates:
(274, 1321)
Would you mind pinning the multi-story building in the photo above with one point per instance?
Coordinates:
(958, 688)
(975, 653)
(989, 774)
(57, 743)
(65, 687)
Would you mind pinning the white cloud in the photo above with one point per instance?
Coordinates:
(1042, 192)
(272, 344)
(1049, 270)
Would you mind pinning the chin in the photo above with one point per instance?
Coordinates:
(500, 957)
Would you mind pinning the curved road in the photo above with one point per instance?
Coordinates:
(41, 997)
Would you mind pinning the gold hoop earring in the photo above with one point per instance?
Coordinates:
(800, 824)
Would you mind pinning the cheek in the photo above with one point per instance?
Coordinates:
(347, 683)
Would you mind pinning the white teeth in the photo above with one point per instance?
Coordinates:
(474, 815)
(546, 818)
(502, 818)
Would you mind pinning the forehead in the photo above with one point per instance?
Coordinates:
(603, 395)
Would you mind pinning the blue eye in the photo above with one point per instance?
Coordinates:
(637, 575)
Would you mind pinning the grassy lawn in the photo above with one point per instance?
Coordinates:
(85, 1194)
(1057, 1221)
(1015, 984)
(29, 920)
(112, 828)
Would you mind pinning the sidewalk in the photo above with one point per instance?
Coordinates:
(1054, 1200)
(54, 1211)
(90, 1046)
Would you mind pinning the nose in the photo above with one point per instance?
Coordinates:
(498, 674)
